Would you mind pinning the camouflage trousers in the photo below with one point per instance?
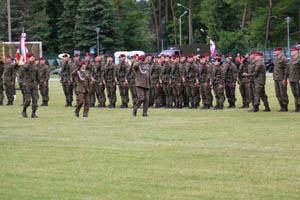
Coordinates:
(133, 93)
(281, 93)
(111, 92)
(178, 93)
(296, 92)
(230, 92)
(1, 91)
(9, 90)
(245, 91)
(123, 93)
(93, 95)
(219, 94)
(155, 92)
(100, 93)
(68, 91)
(205, 92)
(21, 85)
(167, 88)
(191, 91)
(31, 96)
(44, 91)
(260, 94)
(84, 98)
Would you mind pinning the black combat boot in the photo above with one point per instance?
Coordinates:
(204, 107)
(281, 108)
(134, 112)
(157, 105)
(221, 107)
(9, 103)
(208, 106)
(1, 103)
(126, 105)
(24, 114)
(286, 108)
(92, 105)
(33, 115)
(297, 109)
(145, 115)
(46, 103)
(76, 114)
(114, 105)
(267, 109)
(217, 107)
(244, 106)
(247, 105)
(230, 105)
(254, 109)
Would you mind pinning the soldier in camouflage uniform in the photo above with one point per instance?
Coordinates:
(1, 81)
(197, 92)
(293, 74)
(231, 75)
(155, 71)
(9, 76)
(218, 81)
(183, 64)
(92, 91)
(98, 75)
(88, 62)
(122, 68)
(130, 77)
(259, 79)
(244, 82)
(110, 80)
(165, 77)
(31, 86)
(280, 79)
(205, 83)
(191, 81)
(44, 75)
(176, 78)
(65, 77)
(74, 66)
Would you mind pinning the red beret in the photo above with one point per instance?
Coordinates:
(82, 63)
(277, 49)
(218, 55)
(294, 49)
(122, 55)
(87, 54)
(65, 55)
(228, 55)
(218, 59)
(191, 56)
(76, 55)
(109, 56)
(252, 52)
(136, 55)
(141, 57)
(132, 57)
(42, 58)
(182, 55)
(205, 55)
(259, 54)
(9, 57)
(149, 54)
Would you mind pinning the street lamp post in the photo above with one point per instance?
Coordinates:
(190, 21)
(180, 34)
(98, 43)
(288, 20)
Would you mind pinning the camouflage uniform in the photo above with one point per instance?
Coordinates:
(9, 76)
(244, 83)
(293, 74)
(98, 75)
(218, 79)
(74, 66)
(31, 88)
(21, 81)
(92, 90)
(130, 77)
(109, 76)
(231, 74)
(204, 77)
(259, 79)
(155, 71)
(122, 68)
(165, 76)
(44, 75)
(280, 74)
(177, 74)
(1, 83)
(66, 84)
(190, 80)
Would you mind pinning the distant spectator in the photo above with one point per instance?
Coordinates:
(238, 59)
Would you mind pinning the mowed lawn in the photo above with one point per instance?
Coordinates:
(172, 154)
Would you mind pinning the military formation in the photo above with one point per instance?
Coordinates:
(174, 81)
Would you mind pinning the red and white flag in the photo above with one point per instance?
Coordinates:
(22, 50)
(212, 48)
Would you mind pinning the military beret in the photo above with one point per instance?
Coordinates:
(205, 55)
(259, 54)
(65, 55)
(218, 55)
(98, 54)
(109, 56)
(149, 54)
(122, 55)
(228, 55)
(76, 55)
(82, 63)
(42, 58)
(252, 52)
(87, 54)
(218, 59)
(191, 56)
(182, 55)
(8, 57)
(294, 49)
(277, 49)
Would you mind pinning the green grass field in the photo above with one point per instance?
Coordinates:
(172, 154)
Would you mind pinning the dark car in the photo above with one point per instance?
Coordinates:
(56, 71)
(269, 65)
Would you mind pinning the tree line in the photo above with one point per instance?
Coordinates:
(65, 25)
